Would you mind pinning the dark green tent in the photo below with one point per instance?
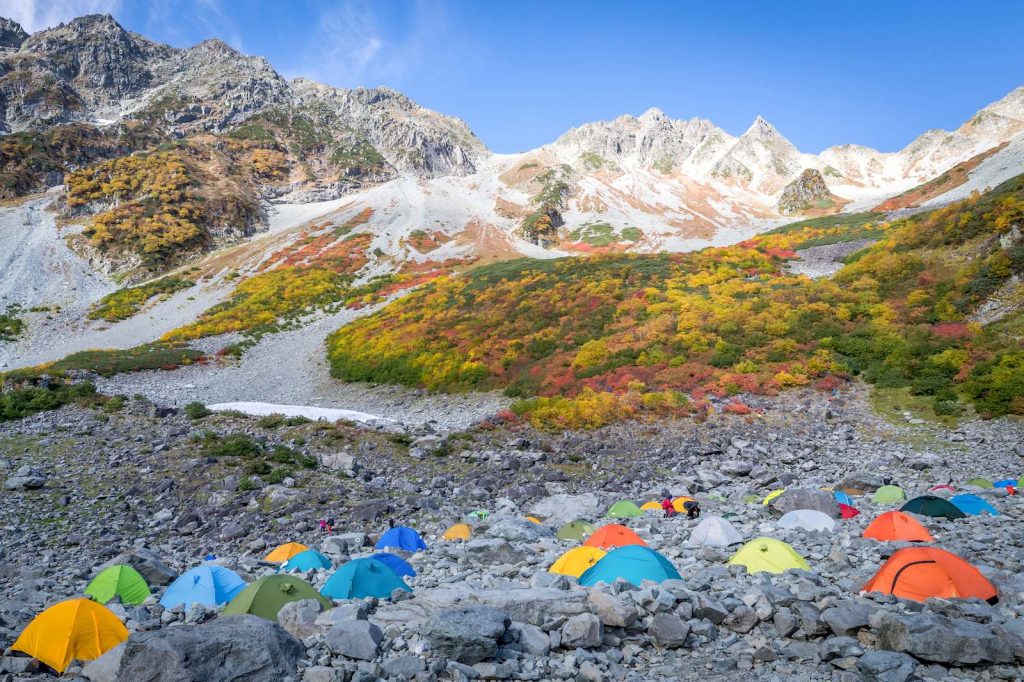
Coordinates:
(575, 530)
(930, 505)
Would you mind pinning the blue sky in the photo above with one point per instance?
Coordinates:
(521, 73)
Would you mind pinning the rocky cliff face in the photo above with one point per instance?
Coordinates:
(808, 190)
(12, 35)
(94, 71)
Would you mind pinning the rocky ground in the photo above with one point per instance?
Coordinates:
(826, 260)
(150, 486)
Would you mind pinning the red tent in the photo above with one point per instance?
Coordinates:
(847, 511)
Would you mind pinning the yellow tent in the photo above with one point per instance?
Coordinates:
(772, 495)
(680, 502)
(459, 531)
(76, 629)
(769, 555)
(533, 519)
(577, 560)
(285, 552)
(651, 506)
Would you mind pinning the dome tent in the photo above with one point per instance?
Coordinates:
(651, 506)
(458, 531)
(632, 563)
(679, 503)
(266, 596)
(403, 538)
(768, 555)
(118, 581)
(209, 584)
(576, 561)
(895, 526)
(842, 497)
(1006, 483)
(847, 512)
(395, 563)
(771, 496)
(714, 531)
(76, 629)
(888, 494)
(361, 578)
(808, 519)
(972, 505)
(918, 573)
(306, 561)
(283, 553)
(929, 505)
(623, 509)
(980, 483)
(575, 530)
(607, 537)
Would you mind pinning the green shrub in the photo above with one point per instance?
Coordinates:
(235, 445)
(278, 475)
(22, 402)
(196, 410)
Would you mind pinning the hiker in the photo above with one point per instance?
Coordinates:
(391, 524)
(669, 508)
(692, 509)
(323, 526)
(330, 526)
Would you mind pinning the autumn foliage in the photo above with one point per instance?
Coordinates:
(576, 336)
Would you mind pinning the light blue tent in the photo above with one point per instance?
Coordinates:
(395, 563)
(306, 561)
(363, 578)
(208, 584)
(633, 563)
(973, 505)
(403, 538)
(1006, 483)
(842, 497)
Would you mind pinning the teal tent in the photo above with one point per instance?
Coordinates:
(930, 505)
(363, 578)
(306, 561)
(633, 563)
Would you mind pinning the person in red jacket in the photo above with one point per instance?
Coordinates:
(669, 508)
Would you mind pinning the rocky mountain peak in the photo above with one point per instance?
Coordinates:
(12, 35)
(803, 193)
(761, 129)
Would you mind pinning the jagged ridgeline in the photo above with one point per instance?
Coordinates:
(934, 305)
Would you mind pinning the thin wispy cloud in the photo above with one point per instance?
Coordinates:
(35, 15)
(370, 43)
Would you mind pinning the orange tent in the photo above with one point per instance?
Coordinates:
(918, 573)
(897, 525)
(614, 535)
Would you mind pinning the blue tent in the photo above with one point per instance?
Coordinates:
(306, 561)
(363, 578)
(973, 505)
(208, 584)
(634, 563)
(1005, 483)
(842, 497)
(403, 538)
(395, 563)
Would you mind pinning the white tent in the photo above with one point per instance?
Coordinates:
(808, 519)
(714, 531)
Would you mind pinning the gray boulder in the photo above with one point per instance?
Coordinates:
(237, 648)
(935, 638)
(298, 618)
(491, 551)
(357, 639)
(864, 482)
(26, 478)
(582, 631)
(668, 631)
(531, 638)
(467, 635)
(886, 666)
(517, 530)
(612, 611)
(560, 509)
(152, 568)
(846, 618)
(806, 498)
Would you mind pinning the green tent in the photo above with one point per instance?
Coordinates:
(118, 581)
(980, 483)
(575, 530)
(888, 494)
(266, 596)
(930, 505)
(623, 509)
